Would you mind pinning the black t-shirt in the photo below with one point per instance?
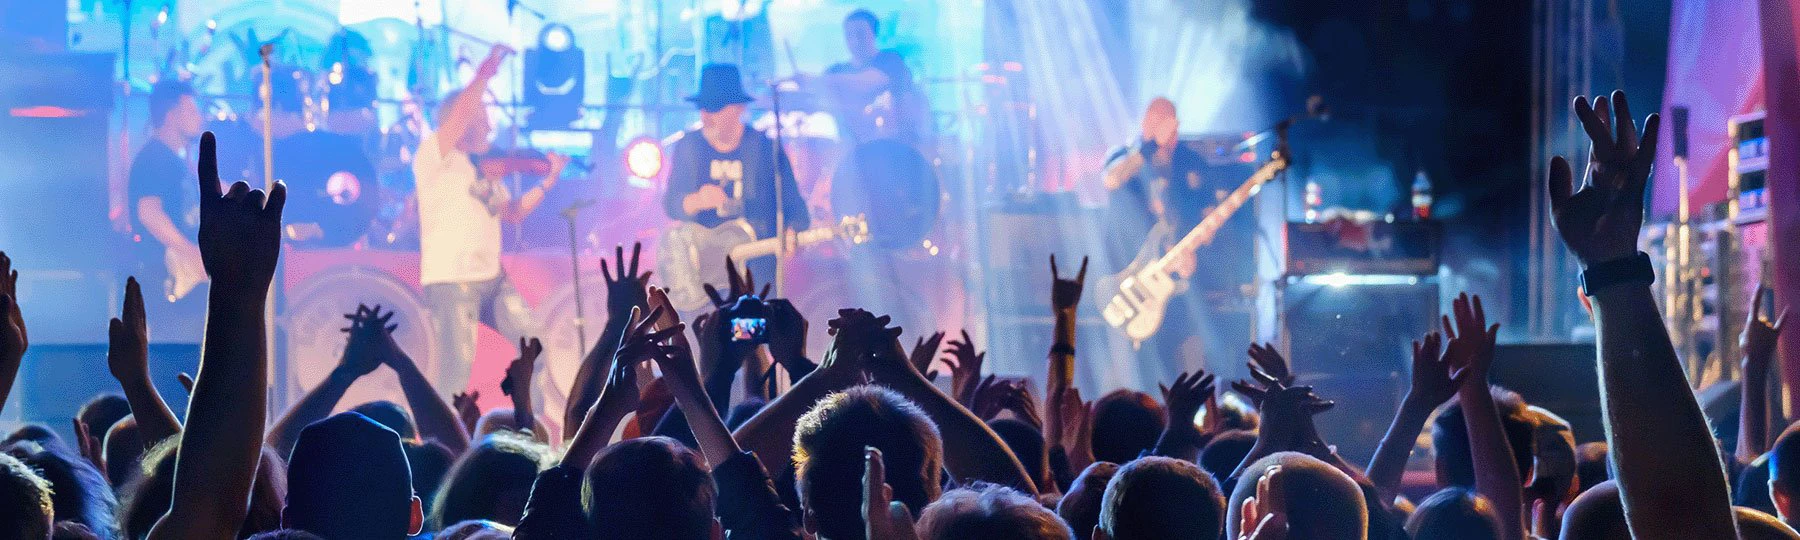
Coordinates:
(725, 170)
(159, 172)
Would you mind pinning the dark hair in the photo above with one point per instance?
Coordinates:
(286, 534)
(1080, 507)
(69, 530)
(146, 498)
(348, 476)
(651, 488)
(992, 512)
(1226, 452)
(164, 96)
(1590, 465)
(24, 500)
(1336, 507)
(390, 415)
(430, 462)
(1454, 514)
(866, 16)
(78, 492)
(1159, 497)
(1597, 514)
(1784, 461)
(101, 412)
(123, 447)
(1026, 442)
(1126, 423)
(828, 455)
(491, 481)
(37, 433)
(1450, 439)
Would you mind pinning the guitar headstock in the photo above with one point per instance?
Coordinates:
(854, 229)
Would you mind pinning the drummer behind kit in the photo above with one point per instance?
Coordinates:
(689, 255)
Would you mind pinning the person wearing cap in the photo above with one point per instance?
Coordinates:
(348, 477)
(724, 170)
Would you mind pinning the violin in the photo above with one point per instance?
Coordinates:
(510, 161)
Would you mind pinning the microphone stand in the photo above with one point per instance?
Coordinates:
(575, 266)
(780, 191)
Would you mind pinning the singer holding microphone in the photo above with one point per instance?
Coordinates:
(460, 210)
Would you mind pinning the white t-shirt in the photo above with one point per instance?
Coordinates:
(459, 225)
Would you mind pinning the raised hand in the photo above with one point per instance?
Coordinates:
(1288, 413)
(1184, 399)
(1071, 427)
(1600, 222)
(1760, 335)
(240, 231)
(490, 66)
(1066, 293)
(1431, 382)
(624, 286)
(883, 517)
(923, 352)
(1267, 363)
(467, 411)
(1471, 349)
(966, 370)
(128, 349)
(517, 383)
(367, 345)
(852, 342)
(989, 399)
(1261, 519)
(787, 338)
(13, 339)
(739, 285)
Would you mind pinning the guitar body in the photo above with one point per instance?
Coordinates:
(691, 255)
(1141, 294)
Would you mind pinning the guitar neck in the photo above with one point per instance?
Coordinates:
(768, 246)
(1209, 226)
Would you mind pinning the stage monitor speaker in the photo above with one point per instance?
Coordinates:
(1353, 343)
(1560, 377)
(56, 379)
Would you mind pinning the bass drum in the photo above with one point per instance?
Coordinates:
(315, 315)
(892, 185)
(331, 185)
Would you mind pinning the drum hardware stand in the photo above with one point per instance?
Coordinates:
(575, 266)
(273, 309)
(780, 206)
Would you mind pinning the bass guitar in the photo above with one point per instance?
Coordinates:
(1142, 291)
(691, 255)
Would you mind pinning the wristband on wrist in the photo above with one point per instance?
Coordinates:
(1062, 348)
(1631, 269)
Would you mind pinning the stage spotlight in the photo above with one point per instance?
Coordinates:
(644, 158)
(556, 79)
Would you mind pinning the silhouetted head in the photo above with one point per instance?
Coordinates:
(123, 447)
(1158, 497)
(1080, 507)
(1755, 524)
(348, 477)
(1450, 439)
(1590, 465)
(390, 415)
(77, 490)
(1320, 501)
(828, 456)
(860, 29)
(25, 506)
(491, 481)
(101, 412)
(650, 488)
(990, 512)
(1126, 423)
(430, 461)
(1596, 514)
(1454, 514)
(1226, 452)
(1027, 443)
(1784, 474)
(475, 530)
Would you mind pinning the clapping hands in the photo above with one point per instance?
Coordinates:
(1431, 382)
(1471, 349)
(368, 347)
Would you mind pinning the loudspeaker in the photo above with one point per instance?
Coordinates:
(1352, 341)
(56, 379)
(1560, 377)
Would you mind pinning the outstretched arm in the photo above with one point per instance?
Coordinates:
(240, 243)
(128, 356)
(972, 451)
(464, 110)
(1471, 353)
(359, 359)
(436, 420)
(1653, 422)
(1759, 339)
(1431, 386)
(624, 291)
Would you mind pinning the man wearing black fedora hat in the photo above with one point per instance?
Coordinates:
(724, 170)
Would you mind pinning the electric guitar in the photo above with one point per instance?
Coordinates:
(691, 255)
(1143, 289)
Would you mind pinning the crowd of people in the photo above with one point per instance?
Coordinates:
(868, 443)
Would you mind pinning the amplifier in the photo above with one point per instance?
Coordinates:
(1351, 247)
